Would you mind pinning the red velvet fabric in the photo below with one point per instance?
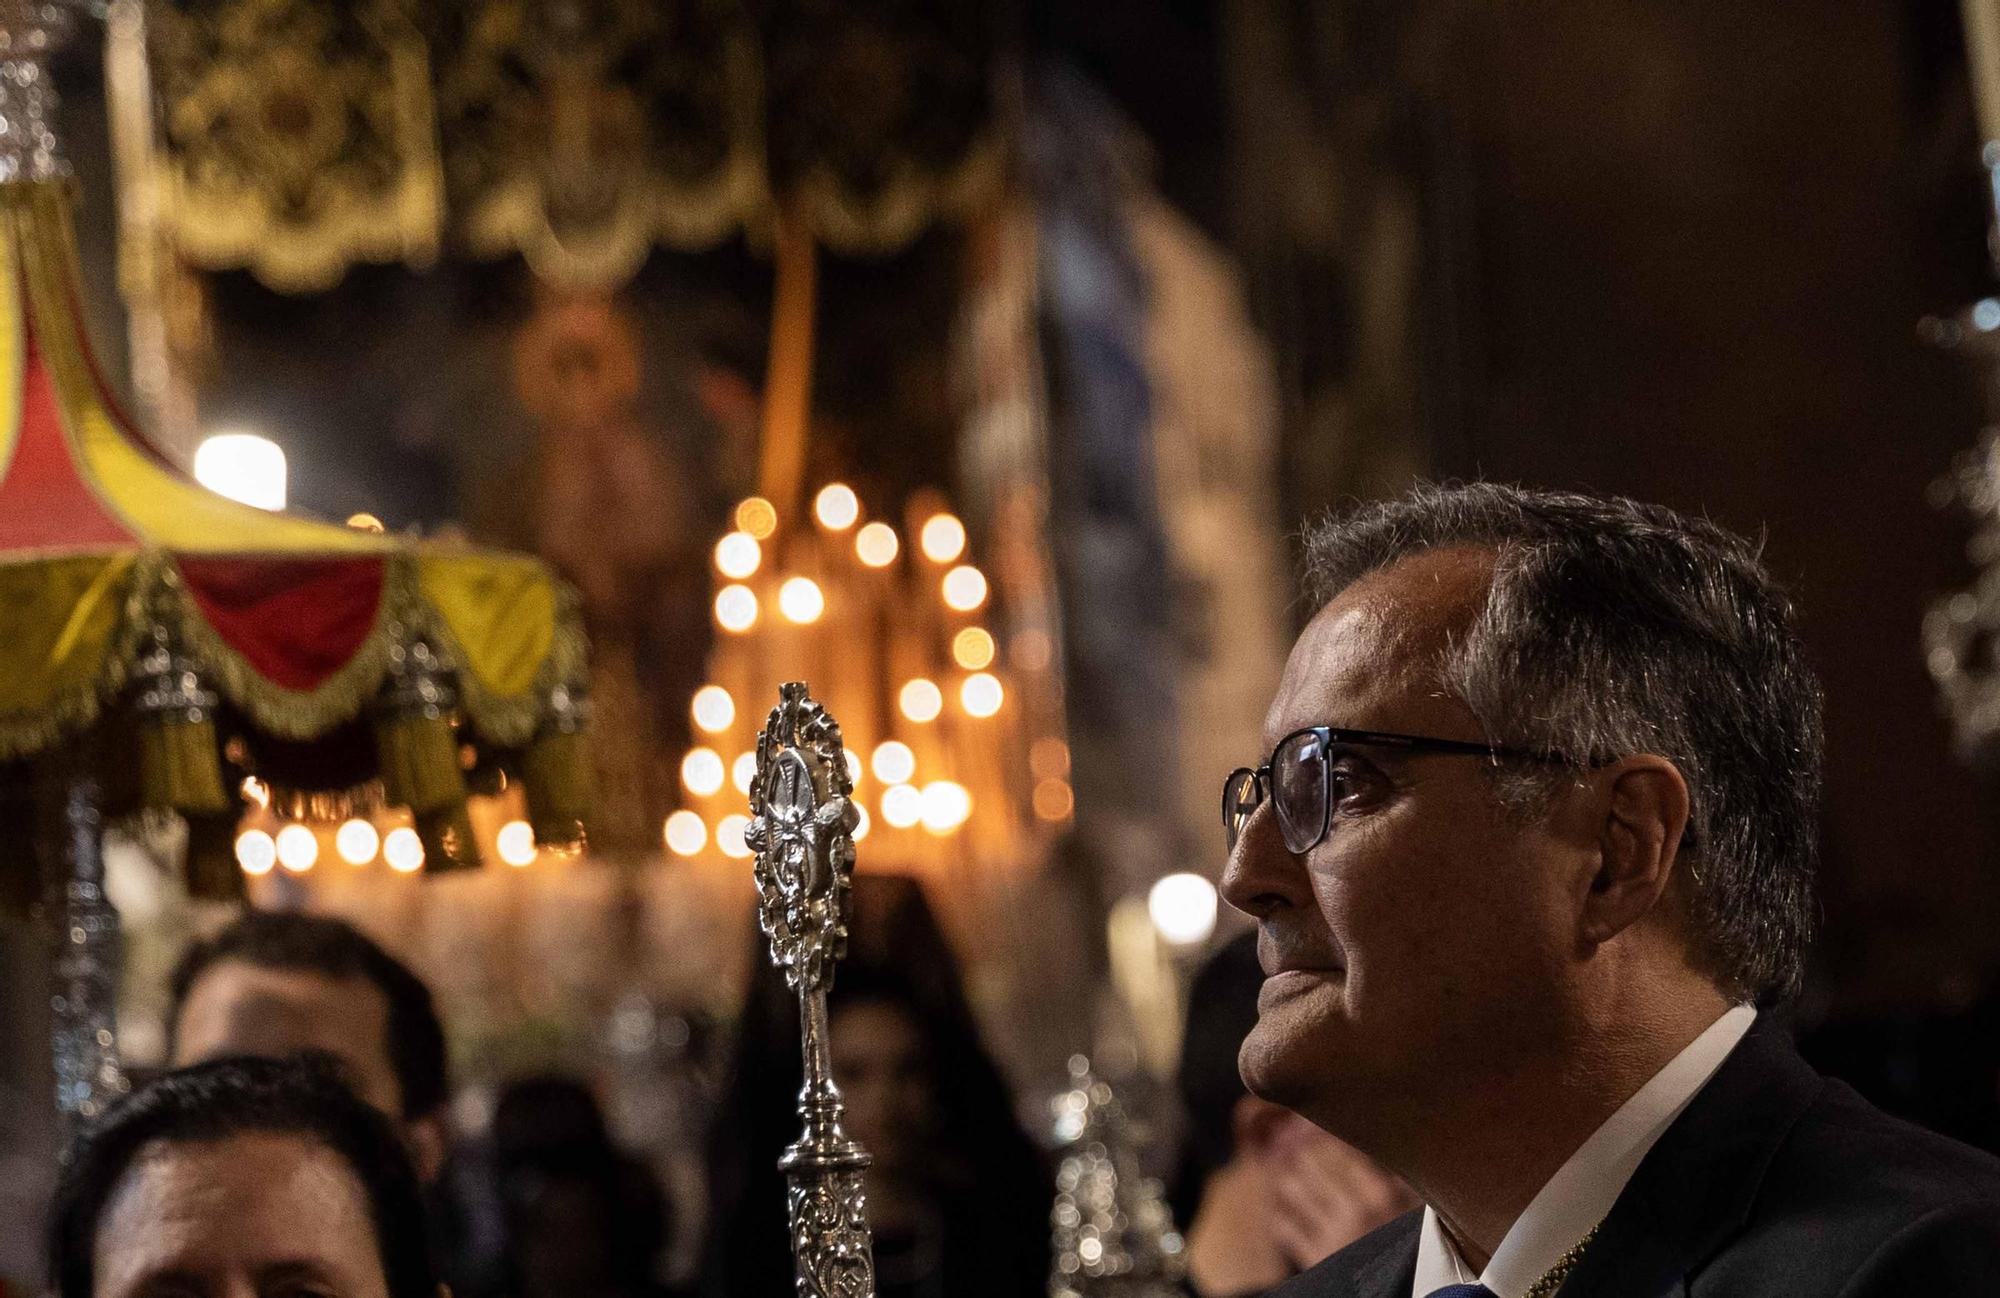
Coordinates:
(44, 501)
(297, 621)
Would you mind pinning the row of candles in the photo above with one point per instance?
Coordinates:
(895, 644)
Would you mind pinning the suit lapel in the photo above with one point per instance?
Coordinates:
(1696, 1186)
(1391, 1273)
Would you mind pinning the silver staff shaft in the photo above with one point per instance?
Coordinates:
(802, 830)
(824, 1178)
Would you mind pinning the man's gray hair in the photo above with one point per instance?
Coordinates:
(1614, 627)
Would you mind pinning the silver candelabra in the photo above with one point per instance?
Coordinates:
(802, 830)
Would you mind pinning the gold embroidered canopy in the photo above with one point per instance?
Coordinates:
(298, 137)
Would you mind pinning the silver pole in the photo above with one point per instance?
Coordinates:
(802, 830)
(83, 938)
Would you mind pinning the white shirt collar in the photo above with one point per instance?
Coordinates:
(1582, 1191)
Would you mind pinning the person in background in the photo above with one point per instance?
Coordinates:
(1261, 1193)
(274, 983)
(240, 1178)
(581, 1218)
(958, 1196)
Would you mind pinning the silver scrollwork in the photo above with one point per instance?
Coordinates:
(830, 1240)
(802, 830)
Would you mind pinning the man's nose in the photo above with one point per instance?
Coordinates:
(1262, 876)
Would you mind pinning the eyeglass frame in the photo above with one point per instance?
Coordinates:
(1261, 779)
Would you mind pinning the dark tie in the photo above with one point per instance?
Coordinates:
(1462, 1291)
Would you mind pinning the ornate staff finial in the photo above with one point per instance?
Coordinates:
(802, 830)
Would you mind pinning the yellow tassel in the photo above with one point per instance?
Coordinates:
(211, 869)
(180, 766)
(419, 757)
(449, 843)
(560, 785)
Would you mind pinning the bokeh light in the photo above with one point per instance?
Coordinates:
(981, 694)
(758, 517)
(1182, 907)
(244, 467)
(876, 545)
(515, 843)
(801, 600)
(686, 833)
(902, 805)
(972, 648)
(921, 700)
(357, 842)
(862, 824)
(736, 608)
(403, 850)
(942, 538)
(1054, 800)
(298, 848)
(737, 555)
(256, 852)
(837, 507)
(729, 837)
(1033, 650)
(742, 771)
(701, 771)
(946, 805)
(713, 709)
(853, 765)
(893, 762)
(964, 588)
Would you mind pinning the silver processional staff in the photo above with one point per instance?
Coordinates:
(802, 830)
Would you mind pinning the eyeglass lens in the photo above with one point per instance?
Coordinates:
(1240, 797)
(1298, 788)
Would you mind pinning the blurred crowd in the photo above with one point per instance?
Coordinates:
(299, 1142)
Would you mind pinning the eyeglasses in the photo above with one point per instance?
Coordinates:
(1299, 778)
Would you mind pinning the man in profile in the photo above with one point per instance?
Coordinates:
(1261, 1193)
(278, 983)
(1534, 843)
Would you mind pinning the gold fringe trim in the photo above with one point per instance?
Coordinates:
(286, 713)
(78, 708)
(508, 721)
(68, 713)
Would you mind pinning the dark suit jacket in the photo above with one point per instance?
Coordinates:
(1774, 1182)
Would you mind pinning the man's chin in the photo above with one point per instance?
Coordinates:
(1278, 1065)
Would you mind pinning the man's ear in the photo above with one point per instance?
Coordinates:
(1643, 804)
(425, 1139)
